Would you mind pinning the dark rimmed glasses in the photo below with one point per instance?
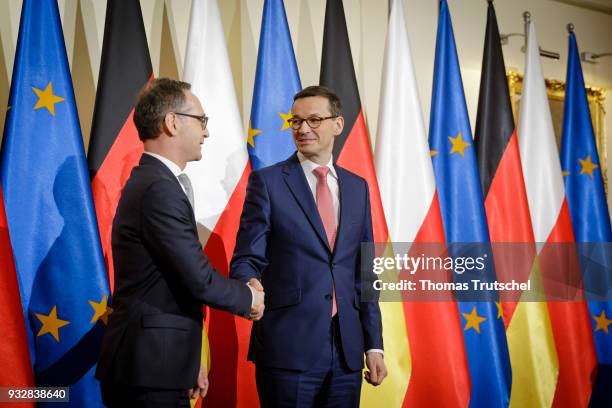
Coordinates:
(313, 122)
(203, 119)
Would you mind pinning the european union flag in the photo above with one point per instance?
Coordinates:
(276, 81)
(463, 215)
(52, 224)
(589, 212)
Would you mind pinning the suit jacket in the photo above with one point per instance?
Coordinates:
(282, 241)
(162, 278)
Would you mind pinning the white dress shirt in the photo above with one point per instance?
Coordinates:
(332, 181)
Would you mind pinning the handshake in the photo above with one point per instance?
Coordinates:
(257, 306)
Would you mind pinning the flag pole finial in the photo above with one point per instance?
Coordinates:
(527, 17)
(570, 27)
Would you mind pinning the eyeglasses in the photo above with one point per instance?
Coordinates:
(203, 119)
(313, 122)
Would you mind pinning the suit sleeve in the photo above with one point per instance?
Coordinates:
(369, 311)
(168, 233)
(249, 258)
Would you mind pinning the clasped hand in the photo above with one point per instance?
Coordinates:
(258, 307)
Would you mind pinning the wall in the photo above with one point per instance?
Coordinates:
(166, 24)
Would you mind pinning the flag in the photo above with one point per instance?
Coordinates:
(219, 183)
(463, 216)
(114, 147)
(530, 341)
(413, 214)
(552, 225)
(353, 152)
(15, 365)
(64, 290)
(277, 80)
(588, 209)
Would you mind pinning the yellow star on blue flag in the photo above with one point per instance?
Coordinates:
(587, 166)
(285, 117)
(251, 133)
(458, 145)
(101, 310)
(473, 321)
(277, 80)
(602, 322)
(49, 209)
(51, 323)
(46, 99)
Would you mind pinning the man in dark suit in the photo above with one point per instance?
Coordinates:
(151, 350)
(301, 231)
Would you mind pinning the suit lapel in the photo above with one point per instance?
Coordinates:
(296, 181)
(148, 160)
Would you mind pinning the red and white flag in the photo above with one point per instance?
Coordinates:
(552, 225)
(219, 182)
(409, 198)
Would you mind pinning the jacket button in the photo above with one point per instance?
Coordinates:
(328, 296)
(333, 265)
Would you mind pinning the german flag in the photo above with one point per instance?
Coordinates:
(352, 148)
(114, 147)
(528, 329)
(353, 152)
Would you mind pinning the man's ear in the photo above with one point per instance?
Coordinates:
(170, 124)
(339, 125)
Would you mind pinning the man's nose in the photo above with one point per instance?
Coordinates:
(304, 127)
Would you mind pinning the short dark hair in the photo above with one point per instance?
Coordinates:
(156, 99)
(335, 106)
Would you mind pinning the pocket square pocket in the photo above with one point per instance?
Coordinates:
(276, 300)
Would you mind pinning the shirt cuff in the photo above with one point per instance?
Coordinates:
(252, 294)
(376, 351)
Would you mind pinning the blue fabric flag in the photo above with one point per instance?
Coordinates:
(276, 81)
(463, 216)
(589, 212)
(52, 223)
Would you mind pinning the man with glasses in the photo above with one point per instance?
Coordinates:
(301, 230)
(151, 350)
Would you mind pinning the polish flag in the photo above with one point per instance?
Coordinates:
(552, 225)
(219, 182)
(413, 214)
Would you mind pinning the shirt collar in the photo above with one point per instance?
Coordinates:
(309, 165)
(174, 168)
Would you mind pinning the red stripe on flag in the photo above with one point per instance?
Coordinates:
(509, 220)
(570, 320)
(109, 181)
(232, 377)
(15, 366)
(436, 339)
(506, 205)
(356, 156)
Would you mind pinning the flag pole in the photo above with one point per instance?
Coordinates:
(527, 21)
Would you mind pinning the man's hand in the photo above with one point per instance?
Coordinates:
(258, 307)
(201, 388)
(377, 371)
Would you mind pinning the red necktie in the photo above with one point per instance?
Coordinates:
(325, 206)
